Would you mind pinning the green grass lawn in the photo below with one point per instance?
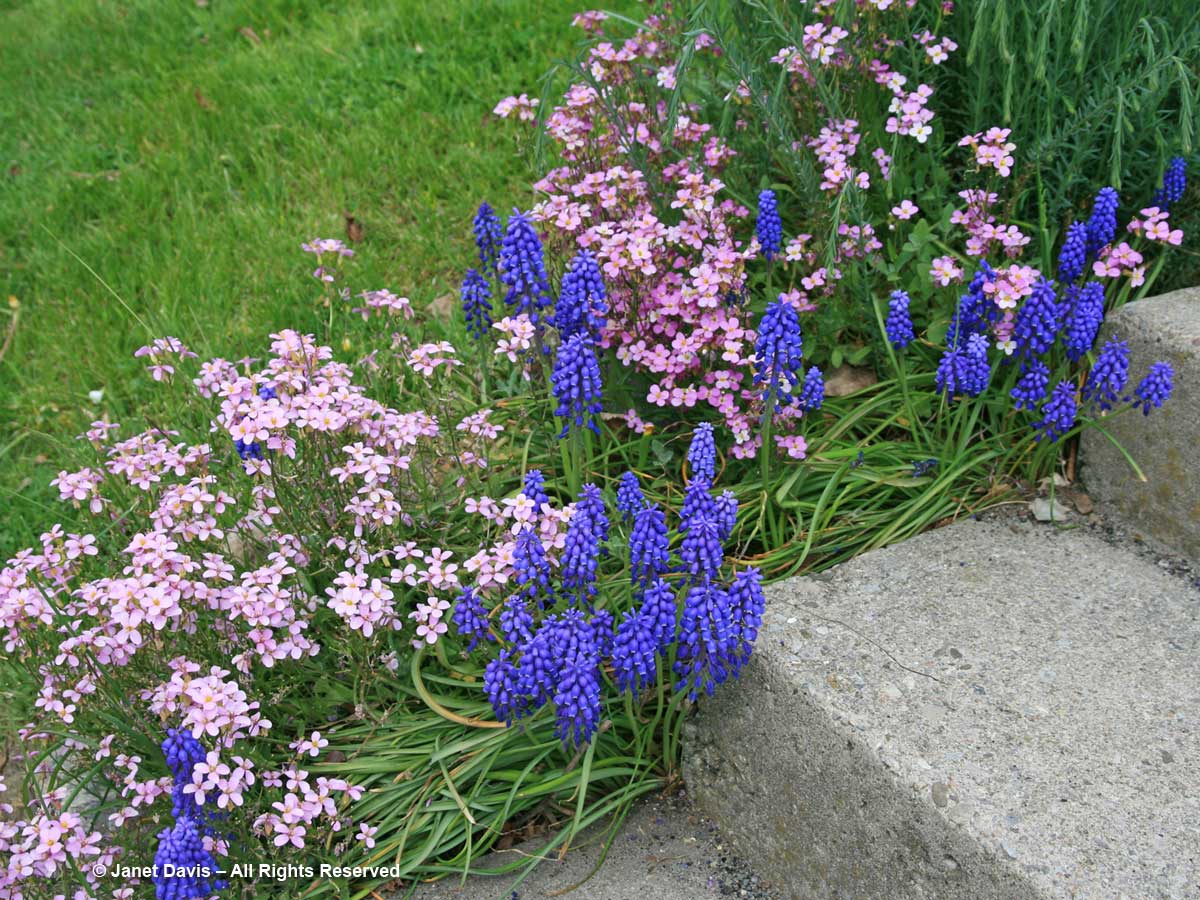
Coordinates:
(183, 150)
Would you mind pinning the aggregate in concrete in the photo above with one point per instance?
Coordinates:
(665, 850)
(1166, 507)
(993, 709)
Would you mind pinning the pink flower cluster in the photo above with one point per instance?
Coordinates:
(983, 233)
(519, 334)
(992, 149)
(834, 145)
(1154, 227)
(210, 576)
(910, 114)
(303, 805)
(945, 270)
(821, 41)
(80, 487)
(209, 705)
(494, 566)
(158, 351)
(525, 108)
(426, 358)
(190, 510)
(675, 278)
(1113, 262)
(383, 301)
(326, 250)
(44, 845)
(1006, 290)
(938, 51)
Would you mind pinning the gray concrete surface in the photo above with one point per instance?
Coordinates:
(994, 709)
(1165, 508)
(665, 851)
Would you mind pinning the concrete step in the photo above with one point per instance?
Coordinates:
(1166, 507)
(994, 709)
(665, 850)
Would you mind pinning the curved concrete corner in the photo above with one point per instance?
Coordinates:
(1167, 506)
(990, 710)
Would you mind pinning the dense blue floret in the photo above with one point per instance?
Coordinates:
(1107, 378)
(769, 227)
(778, 352)
(582, 305)
(1058, 413)
(1072, 258)
(523, 269)
(489, 236)
(1030, 389)
(629, 496)
(1155, 389)
(476, 304)
(1038, 320)
(899, 325)
(1084, 315)
(1102, 226)
(576, 383)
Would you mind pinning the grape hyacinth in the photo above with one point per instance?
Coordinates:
(591, 505)
(1107, 378)
(576, 383)
(778, 352)
(470, 618)
(964, 371)
(183, 751)
(540, 665)
(746, 606)
(500, 685)
(701, 551)
(769, 227)
(634, 651)
(1155, 389)
(899, 325)
(580, 556)
(489, 236)
(560, 658)
(252, 450)
(974, 308)
(629, 497)
(532, 567)
(725, 514)
(923, 467)
(1058, 413)
(533, 486)
(523, 269)
(1072, 258)
(1102, 226)
(602, 631)
(581, 306)
(1085, 313)
(476, 304)
(706, 654)
(577, 698)
(702, 453)
(193, 869)
(516, 622)
(697, 504)
(648, 545)
(812, 393)
(1038, 320)
(658, 605)
(1174, 184)
(1030, 389)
